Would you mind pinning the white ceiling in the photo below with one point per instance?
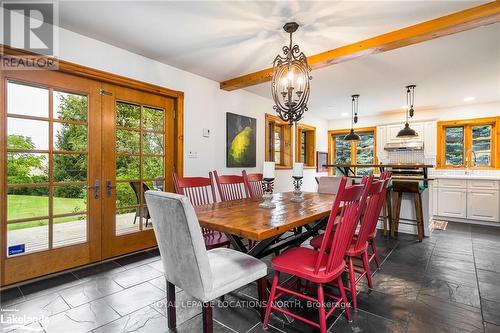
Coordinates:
(445, 70)
(224, 39)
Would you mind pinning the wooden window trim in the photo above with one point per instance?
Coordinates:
(468, 124)
(331, 144)
(286, 146)
(310, 162)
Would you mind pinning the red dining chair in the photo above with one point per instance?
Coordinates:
(386, 175)
(359, 243)
(321, 267)
(201, 191)
(231, 187)
(253, 184)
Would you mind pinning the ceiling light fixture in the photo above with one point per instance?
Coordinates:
(290, 80)
(408, 132)
(469, 99)
(354, 120)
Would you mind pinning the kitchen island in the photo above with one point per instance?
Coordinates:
(406, 176)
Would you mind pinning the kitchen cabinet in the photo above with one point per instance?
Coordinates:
(452, 202)
(468, 199)
(381, 141)
(426, 133)
(430, 139)
(482, 205)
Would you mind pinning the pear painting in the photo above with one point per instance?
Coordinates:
(240, 141)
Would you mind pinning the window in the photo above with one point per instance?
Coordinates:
(471, 141)
(278, 142)
(305, 143)
(348, 152)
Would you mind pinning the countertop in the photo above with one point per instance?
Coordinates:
(469, 176)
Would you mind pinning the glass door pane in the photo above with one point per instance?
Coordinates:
(52, 155)
(140, 141)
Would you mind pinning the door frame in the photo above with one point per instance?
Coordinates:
(93, 74)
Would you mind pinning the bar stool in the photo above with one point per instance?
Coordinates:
(387, 211)
(413, 187)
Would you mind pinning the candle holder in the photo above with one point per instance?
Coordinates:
(297, 193)
(267, 187)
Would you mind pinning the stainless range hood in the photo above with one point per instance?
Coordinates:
(404, 146)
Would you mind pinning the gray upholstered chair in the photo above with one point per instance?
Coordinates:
(328, 185)
(205, 275)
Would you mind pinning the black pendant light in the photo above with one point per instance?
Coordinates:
(407, 131)
(290, 80)
(354, 120)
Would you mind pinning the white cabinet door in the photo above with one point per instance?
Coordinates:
(433, 198)
(480, 184)
(482, 205)
(392, 132)
(430, 138)
(452, 202)
(381, 141)
(453, 183)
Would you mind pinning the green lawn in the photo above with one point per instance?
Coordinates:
(24, 206)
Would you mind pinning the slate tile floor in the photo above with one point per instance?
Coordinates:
(448, 283)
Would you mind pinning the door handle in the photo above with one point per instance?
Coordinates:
(96, 189)
(109, 187)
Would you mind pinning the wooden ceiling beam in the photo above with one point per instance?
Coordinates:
(468, 19)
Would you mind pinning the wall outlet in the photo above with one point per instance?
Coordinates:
(206, 132)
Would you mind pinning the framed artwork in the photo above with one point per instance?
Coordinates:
(241, 133)
(322, 159)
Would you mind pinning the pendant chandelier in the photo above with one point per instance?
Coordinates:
(408, 132)
(290, 81)
(354, 120)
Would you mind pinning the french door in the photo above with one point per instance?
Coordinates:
(137, 156)
(76, 157)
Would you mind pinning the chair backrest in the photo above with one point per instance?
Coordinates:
(386, 175)
(349, 203)
(199, 190)
(253, 184)
(374, 202)
(137, 190)
(328, 185)
(231, 187)
(158, 183)
(181, 244)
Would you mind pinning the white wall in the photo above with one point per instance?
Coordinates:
(466, 111)
(205, 105)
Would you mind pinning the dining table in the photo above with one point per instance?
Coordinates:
(288, 224)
